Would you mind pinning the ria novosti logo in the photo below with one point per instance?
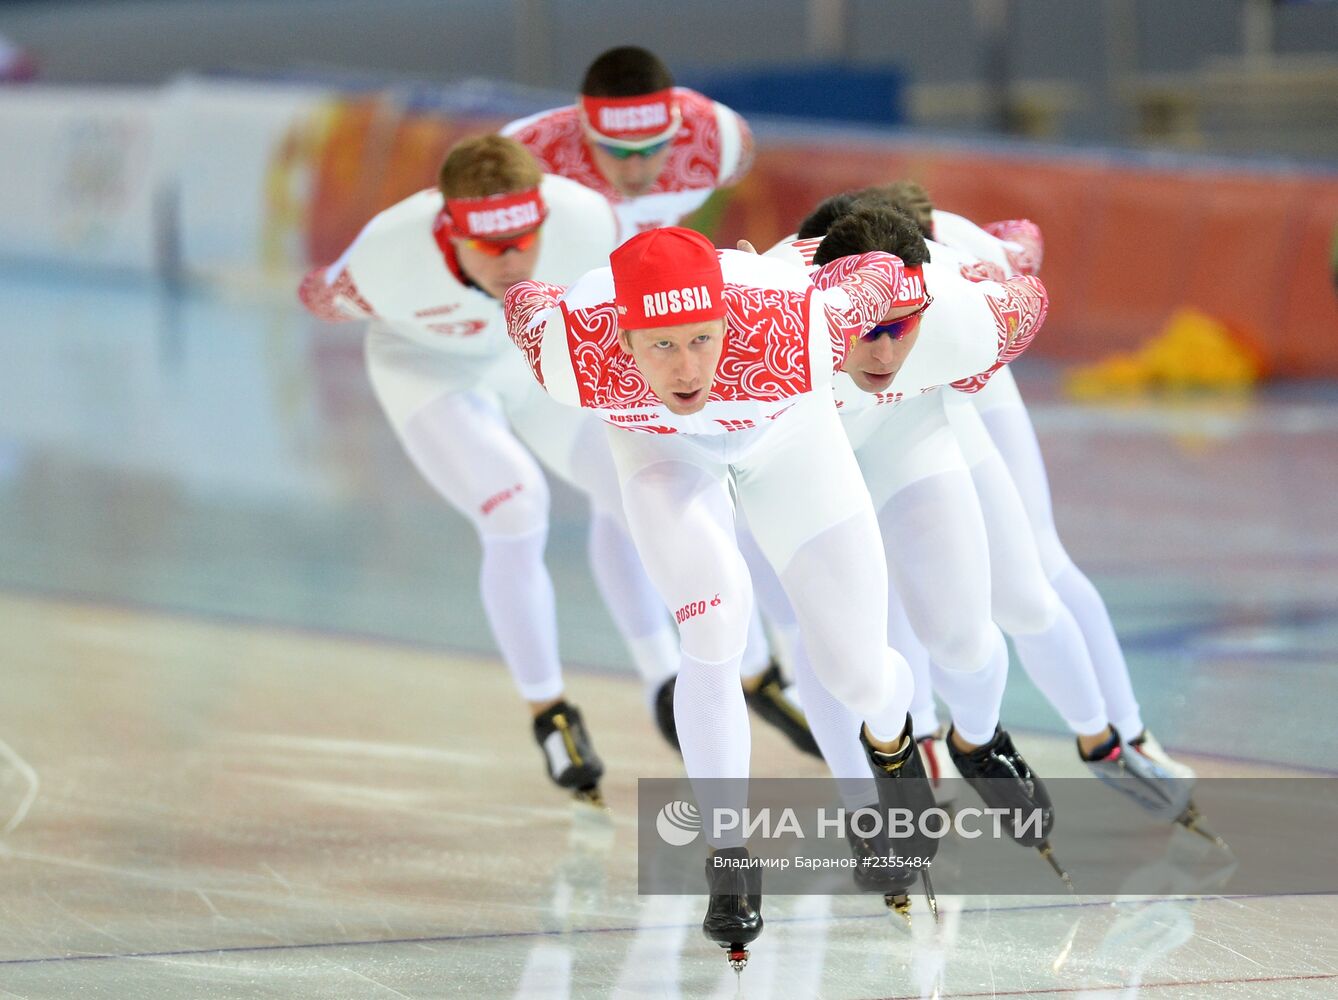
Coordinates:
(678, 823)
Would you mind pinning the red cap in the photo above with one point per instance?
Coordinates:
(667, 277)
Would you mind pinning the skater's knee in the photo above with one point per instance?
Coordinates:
(841, 639)
(965, 648)
(1029, 612)
(713, 628)
(609, 506)
(865, 686)
(1054, 558)
(863, 694)
(707, 675)
(712, 606)
(602, 489)
(519, 508)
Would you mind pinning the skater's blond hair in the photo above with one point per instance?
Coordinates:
(487, 165)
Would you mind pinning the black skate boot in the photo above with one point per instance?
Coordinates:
(871, 853)
(772, 705)
(664, 713)
(1004, 780)
(568, 753)
(734, 911)
(903, 784)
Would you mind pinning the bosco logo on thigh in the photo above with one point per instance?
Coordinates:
(694, 608)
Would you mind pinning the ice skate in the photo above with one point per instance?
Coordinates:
(872, 873)
(903, 783)
(938, 765)
(1004, 780)
(1141, 779)
(1138, 775)
(1192, 820)
(774, 704)
(734, 911)
(569, 755)
(1146, 744)
(931, 745)
(664, 713)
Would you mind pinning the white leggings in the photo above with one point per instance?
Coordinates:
(1049, 642)
(476, 447)
(769, 599)
(938, 557)
(462, 446)
(1009, 425)
(810, 513)
(939, 561)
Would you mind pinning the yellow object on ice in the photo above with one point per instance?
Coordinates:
(1194, 351)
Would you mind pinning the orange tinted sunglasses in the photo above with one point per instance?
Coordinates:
(495, 248)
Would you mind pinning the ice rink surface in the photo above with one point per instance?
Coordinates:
(254, 741)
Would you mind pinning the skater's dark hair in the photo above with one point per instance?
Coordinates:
(487, 165)
(626, 71)
(870, 226)
(818, 221)
(912, 199)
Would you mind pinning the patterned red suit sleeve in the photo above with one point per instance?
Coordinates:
(524, 306)
(1018, 315)
(1025, 233)
(871, 282)
(747, 152)
(983, 270)
(334, 302)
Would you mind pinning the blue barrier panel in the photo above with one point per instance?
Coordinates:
(825, 91)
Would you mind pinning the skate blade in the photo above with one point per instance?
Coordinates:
(1049, 855)
(591, 797)
(737, 957)
(900, 904)
(1192, 820)
(930, 898)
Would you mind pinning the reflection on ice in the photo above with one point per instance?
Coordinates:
(18, 781)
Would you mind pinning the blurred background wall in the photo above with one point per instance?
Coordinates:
(1181, 156)
(1243, 76)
